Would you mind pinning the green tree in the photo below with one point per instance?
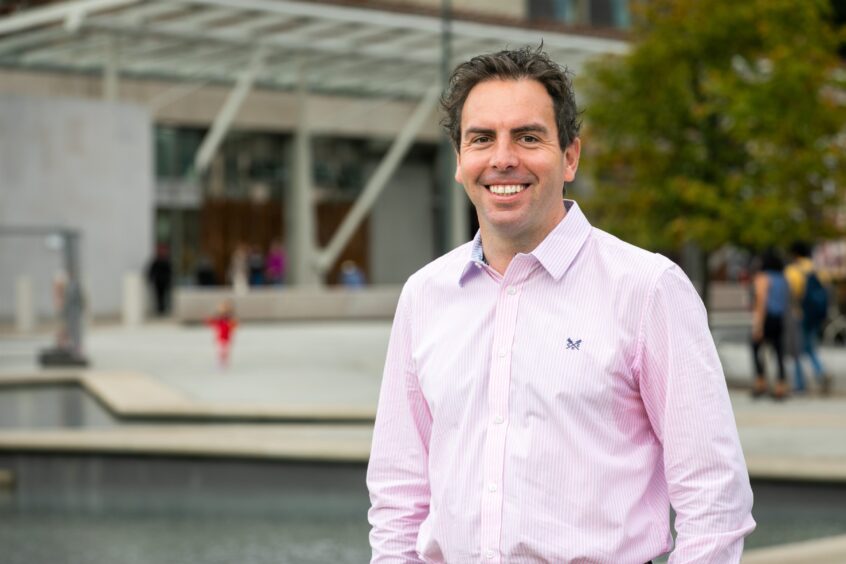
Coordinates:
(725, 123)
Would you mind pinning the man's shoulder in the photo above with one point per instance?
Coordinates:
(630, 259)
(447, 267)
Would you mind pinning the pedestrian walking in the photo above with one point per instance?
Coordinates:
(771, 301)
(255, 266)
(352, 277)
(160, 275)
(224, 324)
(810, 311)
(276, 263)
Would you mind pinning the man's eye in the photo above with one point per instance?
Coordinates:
(481, 139)
(529, 139)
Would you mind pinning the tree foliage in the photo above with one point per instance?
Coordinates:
(726, 122)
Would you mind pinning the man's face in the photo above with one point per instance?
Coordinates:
(510, 162)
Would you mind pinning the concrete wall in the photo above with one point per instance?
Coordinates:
(401, 225)
(80, 164)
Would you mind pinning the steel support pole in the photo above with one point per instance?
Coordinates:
(111, 70)
(301, 218)
(378, 180)
(211, 143)
(454, 223)
(24, 306)
(459, 224)
(227, 113)
(74, 304)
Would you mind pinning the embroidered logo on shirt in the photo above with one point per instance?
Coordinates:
(573, 344)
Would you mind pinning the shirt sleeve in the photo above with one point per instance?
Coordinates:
(686, 399)
(397, 475)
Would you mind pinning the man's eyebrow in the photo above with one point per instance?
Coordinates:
(478, 130)
(529, 128)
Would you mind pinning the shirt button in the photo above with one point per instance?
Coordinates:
(512, 290)
(489, 554)
(499, 419)
(491, 487)
(502, 353)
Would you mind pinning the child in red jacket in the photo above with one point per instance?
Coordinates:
(224, 324)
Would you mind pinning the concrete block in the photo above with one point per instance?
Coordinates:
(133, 299)
(193, 305)
(24, 305)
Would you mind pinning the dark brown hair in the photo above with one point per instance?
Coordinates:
(512, 64)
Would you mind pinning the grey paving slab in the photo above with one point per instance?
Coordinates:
(305, 363)
(295, 364)
(129, 393)
(831, 550)
(292, 442)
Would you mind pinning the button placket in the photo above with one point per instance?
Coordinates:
(499, 383)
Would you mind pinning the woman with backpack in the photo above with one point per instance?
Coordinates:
(810, 309)
(771, 300)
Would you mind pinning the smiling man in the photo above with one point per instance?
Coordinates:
(549, 390)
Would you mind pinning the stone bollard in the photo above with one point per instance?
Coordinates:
(133, 299)
(24, 306)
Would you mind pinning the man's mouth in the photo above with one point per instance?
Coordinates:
(506, 189)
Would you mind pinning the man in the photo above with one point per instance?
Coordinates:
(160, 274)
(549, 390)
(809, 300)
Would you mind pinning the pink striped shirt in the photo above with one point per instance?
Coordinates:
(554, 413)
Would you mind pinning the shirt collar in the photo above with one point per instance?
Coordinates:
(475, 261)
(555, 253)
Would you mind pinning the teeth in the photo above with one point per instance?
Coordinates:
(506, 188)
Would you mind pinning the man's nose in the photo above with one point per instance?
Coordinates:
(504, 156)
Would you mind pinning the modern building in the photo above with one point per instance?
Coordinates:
(203, 124)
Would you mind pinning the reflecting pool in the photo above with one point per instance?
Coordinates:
(128, 510)
(51, 406)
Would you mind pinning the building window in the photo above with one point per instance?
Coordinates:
(175, 150)
(609, 13)
(597, 13)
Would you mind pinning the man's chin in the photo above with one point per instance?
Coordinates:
(505, 224)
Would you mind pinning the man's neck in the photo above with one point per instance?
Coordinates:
(499, 249)
(498, 257)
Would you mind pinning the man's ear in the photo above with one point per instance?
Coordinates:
(458, 168)
(571, 159)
